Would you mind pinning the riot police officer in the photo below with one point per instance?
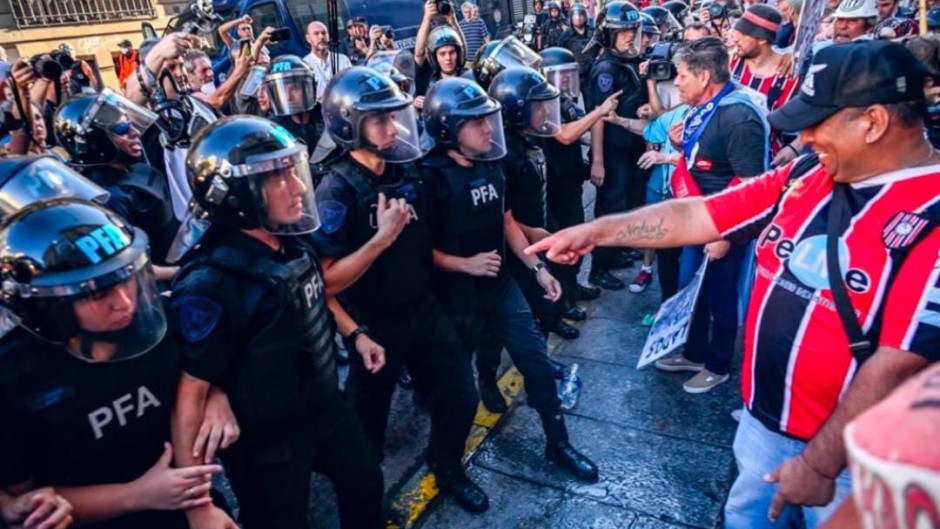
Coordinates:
(576, 38)
(377, 250)
(102, 136)
(292, 91)
(669, 28)
(88, 380)
(552, 29)
(472, 227)
(252, 309)
(497, 55)
(614, 150)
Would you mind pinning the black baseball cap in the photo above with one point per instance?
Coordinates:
(854, 74)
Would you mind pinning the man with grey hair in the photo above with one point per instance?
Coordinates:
(725, 137)
(319, 57)
(474, 30)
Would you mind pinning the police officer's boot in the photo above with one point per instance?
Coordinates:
(489, 392)
(606, 280)
(559, 451)
(570, 311)
(452, 480)
(585, 293)
(558, 369)
(561, 328)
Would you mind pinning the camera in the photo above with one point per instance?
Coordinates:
(51, 65)
(444, 7)
(661, 67)
(388, 32)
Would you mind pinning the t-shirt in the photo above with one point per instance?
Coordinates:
(797, 363)
(777, 89)
(323, 69)
(475, 35)
(657, 133)
(732, 144)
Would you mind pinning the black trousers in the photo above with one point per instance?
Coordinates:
(623, 186)
(424, 339)
(503, 318)
(565, 209)
(271, 476)
(667, 267)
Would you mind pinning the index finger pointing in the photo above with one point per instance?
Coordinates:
(776, 506)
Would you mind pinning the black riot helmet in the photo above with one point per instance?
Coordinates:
(459, 113)
(553, 4)
(650, 30)
(74, 273)
(561, 69)
(664, 19)
(499, 55)
(618, 16)
(679, 11)
(25, 180)
(438, 38)
(83, 126)
(398, 65)
(247, 172)
(291, 85)
(360, 102)
(530, 103)
(578, 9)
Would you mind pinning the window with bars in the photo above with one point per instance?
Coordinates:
(38, 13)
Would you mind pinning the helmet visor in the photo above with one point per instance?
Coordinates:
(291, 92)
(627, 42)
(123, 318)
(565, 78)
(200, 116)
(393, 135)
(109, 109)
(483, 138)
(543, 117)
(511, 52)
(45, 179)
(283, 189)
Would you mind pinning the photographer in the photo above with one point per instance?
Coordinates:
(439, 51)
(354, 45)
(245, 32)
(28, 133)
(381, 38)
(198, 68)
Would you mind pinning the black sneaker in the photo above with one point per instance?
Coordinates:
(463, 490)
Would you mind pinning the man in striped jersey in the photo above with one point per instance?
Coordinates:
(755, 65)
(818, 349)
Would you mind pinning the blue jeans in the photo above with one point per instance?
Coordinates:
(714, 326)
(758, 452)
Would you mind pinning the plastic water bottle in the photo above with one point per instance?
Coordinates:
(570, 388)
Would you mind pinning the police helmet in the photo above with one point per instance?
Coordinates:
(895, 28)
(560, 67)
(649, 25)
(25, 180)
(76, 274)
(553, 4)
(499, 55)
(438, 38)
(359, 98)
(578, 9)
(455, 103)
(84, 126)
(247, 172)
(530, 103)
(679, 10)
(663, 18)
(291, 85)
(618, 16)
(933, 18)
(399, 66)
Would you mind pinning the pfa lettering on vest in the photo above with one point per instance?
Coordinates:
(483, 194)
(312, 290)
(129, 406)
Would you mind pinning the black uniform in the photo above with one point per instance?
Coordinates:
(624, 185)
(309, 133)
(576, 42)
(396, 300)
(552, 30)
(468, 218)
(254, 321)
(70, 423)
(140, 195)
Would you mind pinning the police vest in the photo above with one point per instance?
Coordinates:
(74, 423)
(402, 274)
(287, 367)
(524, 166)
(565, 163)
(609, 74)
(576, 44)
(552, 32)
(470, 216)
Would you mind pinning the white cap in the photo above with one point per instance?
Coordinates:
(856, 9)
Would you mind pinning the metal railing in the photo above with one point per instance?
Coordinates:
(39, 13)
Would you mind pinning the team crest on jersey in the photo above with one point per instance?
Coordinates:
(902, 230)
(605, 82)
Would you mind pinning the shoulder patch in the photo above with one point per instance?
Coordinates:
(332, 215)
(197, 317)
(605, 82)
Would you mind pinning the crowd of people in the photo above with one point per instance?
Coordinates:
(177, 257)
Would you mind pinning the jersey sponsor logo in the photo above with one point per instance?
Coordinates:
(311, 290)
(902, 230)
(332, 215)
(198, 317)
(807, 260)
(102, 243)
(483, 194)
(128, 406)
(703, 164)
(605, 82)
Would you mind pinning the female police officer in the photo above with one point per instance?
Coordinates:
(88, 380)
(472, 229)
(254, 320)
(377, 248)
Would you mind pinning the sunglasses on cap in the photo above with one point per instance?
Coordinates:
(120, 128)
